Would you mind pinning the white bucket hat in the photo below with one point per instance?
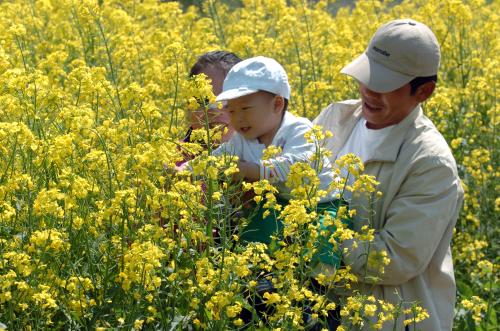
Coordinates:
(399, 51)
(255, 74)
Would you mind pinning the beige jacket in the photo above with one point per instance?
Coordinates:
(415, 217)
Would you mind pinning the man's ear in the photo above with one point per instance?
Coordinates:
(424, 91)
(279, 104)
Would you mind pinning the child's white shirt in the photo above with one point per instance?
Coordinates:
(295, 148)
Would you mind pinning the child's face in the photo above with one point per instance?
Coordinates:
(256, 116)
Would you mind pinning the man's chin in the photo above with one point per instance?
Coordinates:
(371, 110)
(373, 121)
(374, 113)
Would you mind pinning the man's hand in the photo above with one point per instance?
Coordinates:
(198, 118)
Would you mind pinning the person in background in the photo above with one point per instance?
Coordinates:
(215, 65)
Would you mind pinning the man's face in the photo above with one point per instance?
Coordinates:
(384, 109)
(216, 77)
(216, 117)
(256, 116)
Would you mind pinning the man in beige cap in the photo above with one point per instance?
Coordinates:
(422, 194)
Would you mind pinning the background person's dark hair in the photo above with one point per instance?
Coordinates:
(221, 60)
(419, 81)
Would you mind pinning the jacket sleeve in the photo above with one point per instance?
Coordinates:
(296, 149)
(415, 223)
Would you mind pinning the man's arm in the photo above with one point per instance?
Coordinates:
(230, 147)
(416, 221)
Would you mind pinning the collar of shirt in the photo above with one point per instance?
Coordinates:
(389, 149)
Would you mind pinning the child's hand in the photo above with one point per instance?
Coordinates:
(182, 167)
(249, 171)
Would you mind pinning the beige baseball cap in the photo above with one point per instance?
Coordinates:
(398, 52)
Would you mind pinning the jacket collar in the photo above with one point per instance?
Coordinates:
(388, 150)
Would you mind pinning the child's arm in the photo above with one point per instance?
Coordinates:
(296, 149)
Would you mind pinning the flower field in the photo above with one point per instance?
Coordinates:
(98, 232)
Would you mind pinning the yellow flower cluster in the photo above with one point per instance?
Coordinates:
(48, 240)
(139, 266)
(476, 305)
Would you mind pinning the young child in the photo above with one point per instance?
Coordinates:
(257, 92)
